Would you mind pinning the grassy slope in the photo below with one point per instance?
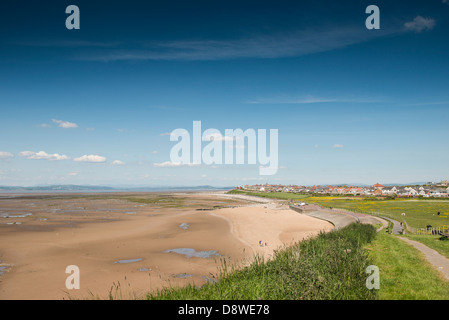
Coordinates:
(330, 266)
(432, 241)
(404, 272)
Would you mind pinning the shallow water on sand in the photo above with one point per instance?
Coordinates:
(128, 261)
(184, 226)
(189, 252)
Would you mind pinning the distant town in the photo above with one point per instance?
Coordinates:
(428, 190)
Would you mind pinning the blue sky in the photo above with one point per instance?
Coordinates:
(352, 105)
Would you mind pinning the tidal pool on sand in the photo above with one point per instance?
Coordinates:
(128, 261)
(189, 252)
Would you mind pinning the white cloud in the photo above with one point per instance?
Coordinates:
(42, 155)
(154, 152)
(117, 163)
(165, 134)
(65, 124)
(5, 155)
(73, 174)
(338, 146)
(90, 158)
(203, 176)
(420, 24)
(173, 164)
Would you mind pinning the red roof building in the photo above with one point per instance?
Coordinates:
(378, 185)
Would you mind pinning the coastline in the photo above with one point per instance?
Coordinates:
(36, 252)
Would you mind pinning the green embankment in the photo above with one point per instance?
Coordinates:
(330, 266)
(404, 272)
(436, 242)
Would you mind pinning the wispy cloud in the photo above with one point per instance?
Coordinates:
(291, 44)
(117, 163)
(6, 155)
(173, 164)
(420, 24)
(338, 146)
(65, 124)
(90, 158)
(42, 155)
(428, 103)
(218, 137)
(309, 100)
(68, 44)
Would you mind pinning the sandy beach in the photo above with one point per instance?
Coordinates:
(126, 245)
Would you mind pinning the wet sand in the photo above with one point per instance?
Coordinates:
(126, 245)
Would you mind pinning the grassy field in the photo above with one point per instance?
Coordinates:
(436, 242)
(418, 212)
(404, 272)
(272, 195)
(330, 266)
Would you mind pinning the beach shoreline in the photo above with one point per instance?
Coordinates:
(128, 244)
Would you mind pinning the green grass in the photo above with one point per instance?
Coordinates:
(330, 266)
(418, 212)
(272, 195)
(405, 274)
(436, 242)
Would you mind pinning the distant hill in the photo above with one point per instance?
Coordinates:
(207, 187)
(68, 188)
(55, 188)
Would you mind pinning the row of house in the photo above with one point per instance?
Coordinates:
(427, 191)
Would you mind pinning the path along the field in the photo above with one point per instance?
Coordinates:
(440, 262)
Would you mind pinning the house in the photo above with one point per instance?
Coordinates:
(443, 183)
(408, 192)
(438, 192)
(390, 191)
